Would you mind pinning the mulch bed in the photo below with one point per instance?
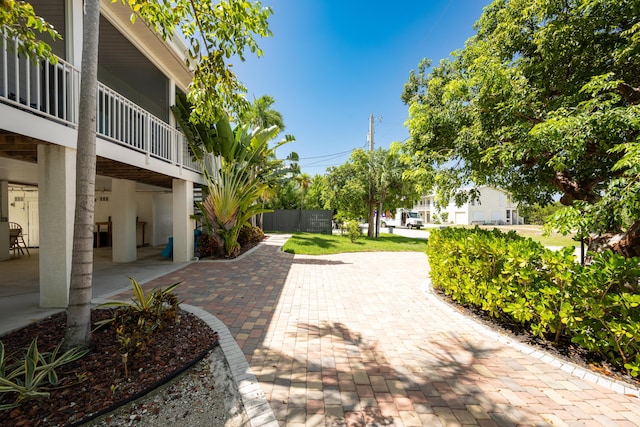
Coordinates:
(243, 249)
(97, 382)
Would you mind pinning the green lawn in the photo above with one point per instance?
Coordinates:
(554, 239)
(323, 244)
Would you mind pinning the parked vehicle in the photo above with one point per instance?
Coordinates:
(402, 218)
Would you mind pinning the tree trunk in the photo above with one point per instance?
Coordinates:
(626, 244)
(372, 222)
(79, 309)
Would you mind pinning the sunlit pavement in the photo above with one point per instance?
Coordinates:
(357, 339)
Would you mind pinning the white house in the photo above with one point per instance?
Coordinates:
(145, 176)
(493, 207)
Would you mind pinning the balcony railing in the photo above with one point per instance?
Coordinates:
(53, 91)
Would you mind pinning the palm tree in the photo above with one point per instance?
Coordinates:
(304, 180)
(261, 114)
(79, 310)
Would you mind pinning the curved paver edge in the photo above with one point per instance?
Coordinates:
(257, 408)
(575, 370)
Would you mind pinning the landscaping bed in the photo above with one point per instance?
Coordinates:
(96, 382)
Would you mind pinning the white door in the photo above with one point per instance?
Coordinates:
(33, 227)
(461, 218)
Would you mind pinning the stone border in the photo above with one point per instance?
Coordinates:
(617, 386)
(256, 407)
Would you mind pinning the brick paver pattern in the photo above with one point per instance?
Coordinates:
(351, 339)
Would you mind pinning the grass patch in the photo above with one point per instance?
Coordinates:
(324, 244)
(535, 233)
(554, 239)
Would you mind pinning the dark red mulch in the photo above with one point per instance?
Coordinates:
(96, 382)
(565, 350)
(243, 249)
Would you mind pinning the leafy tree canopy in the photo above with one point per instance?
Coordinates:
(367, 180)
(542, 101)
(216, 33)
(19, 21)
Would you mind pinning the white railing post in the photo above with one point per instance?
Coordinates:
(148, 137)
(5, 69)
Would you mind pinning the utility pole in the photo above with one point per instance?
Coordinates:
(374, 222)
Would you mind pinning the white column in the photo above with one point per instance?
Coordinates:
(56, 201)
(183, 224)
(123, 220)
(4, 224)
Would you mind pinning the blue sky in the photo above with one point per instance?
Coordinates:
(331, 64)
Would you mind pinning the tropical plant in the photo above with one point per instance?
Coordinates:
(250, 234)
(134, 322)
(509, 276)
(304, 181)
(159, 304)
(28, 377)
(233, 193)
(261, 114)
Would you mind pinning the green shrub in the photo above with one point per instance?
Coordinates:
(610, 306)
(352, 227)
(250, 234)
(509, 276)
(209, 245)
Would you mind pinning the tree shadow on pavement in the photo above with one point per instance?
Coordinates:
(360, 386)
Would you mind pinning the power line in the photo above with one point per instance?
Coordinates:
(332, 155)
(327, 155)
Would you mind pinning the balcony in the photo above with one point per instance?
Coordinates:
(52, 91)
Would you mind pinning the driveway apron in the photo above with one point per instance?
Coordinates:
(354, 339)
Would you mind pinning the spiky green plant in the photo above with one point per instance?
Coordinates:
(28, 378)
(231, 202)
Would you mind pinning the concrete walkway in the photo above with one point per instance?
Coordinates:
(358, 340)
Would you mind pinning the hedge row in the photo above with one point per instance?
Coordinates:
(596, 306)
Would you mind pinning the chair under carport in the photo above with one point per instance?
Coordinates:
(16, 239)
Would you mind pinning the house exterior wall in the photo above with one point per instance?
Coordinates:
(139, 74)
(493, 207)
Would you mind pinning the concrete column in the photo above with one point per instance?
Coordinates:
(56, 201)
(123, 220)
(183, 224)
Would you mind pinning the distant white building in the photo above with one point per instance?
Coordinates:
(493, 207)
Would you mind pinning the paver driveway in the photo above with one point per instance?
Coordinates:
(352, 339)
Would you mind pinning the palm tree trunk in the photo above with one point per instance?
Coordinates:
(79, 310)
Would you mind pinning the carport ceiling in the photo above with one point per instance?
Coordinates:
(25, 149)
